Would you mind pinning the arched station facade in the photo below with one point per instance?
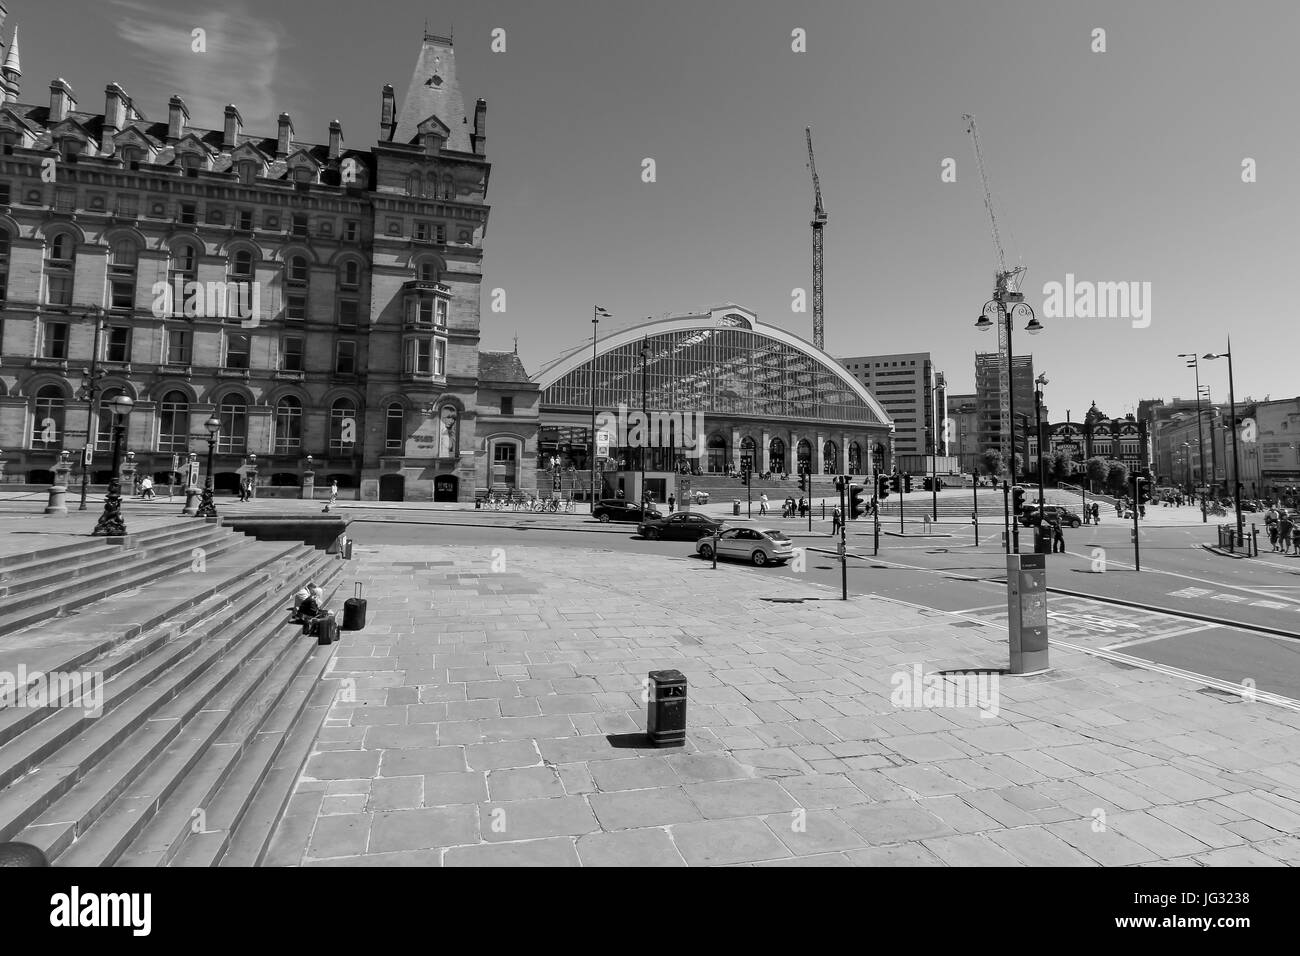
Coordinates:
(717, 386)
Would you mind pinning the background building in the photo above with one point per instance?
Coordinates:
(988, 366)
(963, 411)
(364, 264)
(910, 390)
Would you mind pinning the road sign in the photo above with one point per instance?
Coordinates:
(176, 462)
(602, 444)
(87, 454)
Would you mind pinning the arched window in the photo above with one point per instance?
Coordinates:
(47, 423)
(855, 459)
(4, 265)
(414, 184)
(448, 187)
(288, 425)
(717, 455)
(241, 266)
(174, 422)
(428, 271)
(830, 458)
(747, 451)
(394, 427)
(58, 269)
(233, 415)
(351, 275)
(104, 419)
(776, 456)
(343, 426)
(123, 257)
(804, 454)
(295, 280)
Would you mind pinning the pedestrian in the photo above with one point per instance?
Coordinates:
(762, 504)
(334, 494)
(1272, 535)
(1284, 528)
(1295, 537)
(672, 503)
(837, 520)
(146, 487)
(1096, 513)
(1058, 537)
(803, 506)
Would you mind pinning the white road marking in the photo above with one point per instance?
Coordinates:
(1161, 637)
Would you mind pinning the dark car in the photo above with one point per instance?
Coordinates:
(678, 527)
(619, 509)
(1068, 518)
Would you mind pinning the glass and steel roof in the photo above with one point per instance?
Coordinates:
(722, 365)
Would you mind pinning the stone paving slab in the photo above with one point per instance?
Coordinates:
(495, 718)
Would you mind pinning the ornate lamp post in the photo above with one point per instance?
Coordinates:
(111, 522)
(207, 509)
(252, 476)
(645, 366)
(997, 307)
(1232, 413)
(89, 388)
(1038, 427)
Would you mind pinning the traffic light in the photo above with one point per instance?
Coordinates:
(894, 483)
(858, 506)
(1017, 502)
(744, 476)
(882, 486)
(1142, 489)
(907, 483)
(803, 480)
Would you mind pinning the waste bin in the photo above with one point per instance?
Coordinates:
(665, 723)
(735, 506)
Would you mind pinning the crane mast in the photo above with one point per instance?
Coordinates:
(818, 221)
(1005, 280)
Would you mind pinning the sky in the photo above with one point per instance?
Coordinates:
(1122, 165)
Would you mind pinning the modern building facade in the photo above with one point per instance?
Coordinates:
(317, 299)
(963, 412)
(988, 368)
(719, 387)
(908, 387)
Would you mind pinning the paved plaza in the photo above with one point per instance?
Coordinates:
(491, 713)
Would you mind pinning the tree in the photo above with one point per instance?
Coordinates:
(1098, 470)
(993, 461)
(1060, 466)
(1117, 476)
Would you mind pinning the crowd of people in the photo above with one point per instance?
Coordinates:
(1283, 530)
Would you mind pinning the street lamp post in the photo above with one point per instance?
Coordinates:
(939, 382)
(1193, 362)
(111, 521)
(1038, 431)
(89, 387)
(1232, 414)
(998, 306)
(207, 508)
(596, 313)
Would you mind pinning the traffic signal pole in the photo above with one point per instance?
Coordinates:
(1006, 517)
(1137, 556)
(975, 501)
(844, 557)
(901, 492)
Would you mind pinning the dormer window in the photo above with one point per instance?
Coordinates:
(247, 171)
(191, 163)
(70, 149)
(131, 154)
(303, 175)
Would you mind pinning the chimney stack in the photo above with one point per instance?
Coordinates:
(336, 139)
(234, 126)
(387, 122)
(115, 100)
(285, 136)
(62, 100)
(480, 127)
(177, 117)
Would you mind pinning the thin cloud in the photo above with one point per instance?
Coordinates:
(239, 66)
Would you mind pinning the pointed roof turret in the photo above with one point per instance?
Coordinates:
(434, 91)
(11, 58)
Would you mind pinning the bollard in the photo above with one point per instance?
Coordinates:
(735, 507)
(665, 722)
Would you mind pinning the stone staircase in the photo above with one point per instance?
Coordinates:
(210, 698)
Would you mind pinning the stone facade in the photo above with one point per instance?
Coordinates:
(358, 271)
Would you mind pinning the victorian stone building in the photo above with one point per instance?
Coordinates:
(317, 299)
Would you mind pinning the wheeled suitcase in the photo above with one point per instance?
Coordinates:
(354, 611)
(327, 629)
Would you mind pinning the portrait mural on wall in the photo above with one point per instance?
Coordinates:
(448, 432)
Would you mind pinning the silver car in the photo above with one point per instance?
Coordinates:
(749, 544)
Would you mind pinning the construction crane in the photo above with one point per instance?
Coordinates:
(1005, 281)
(818, 221)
